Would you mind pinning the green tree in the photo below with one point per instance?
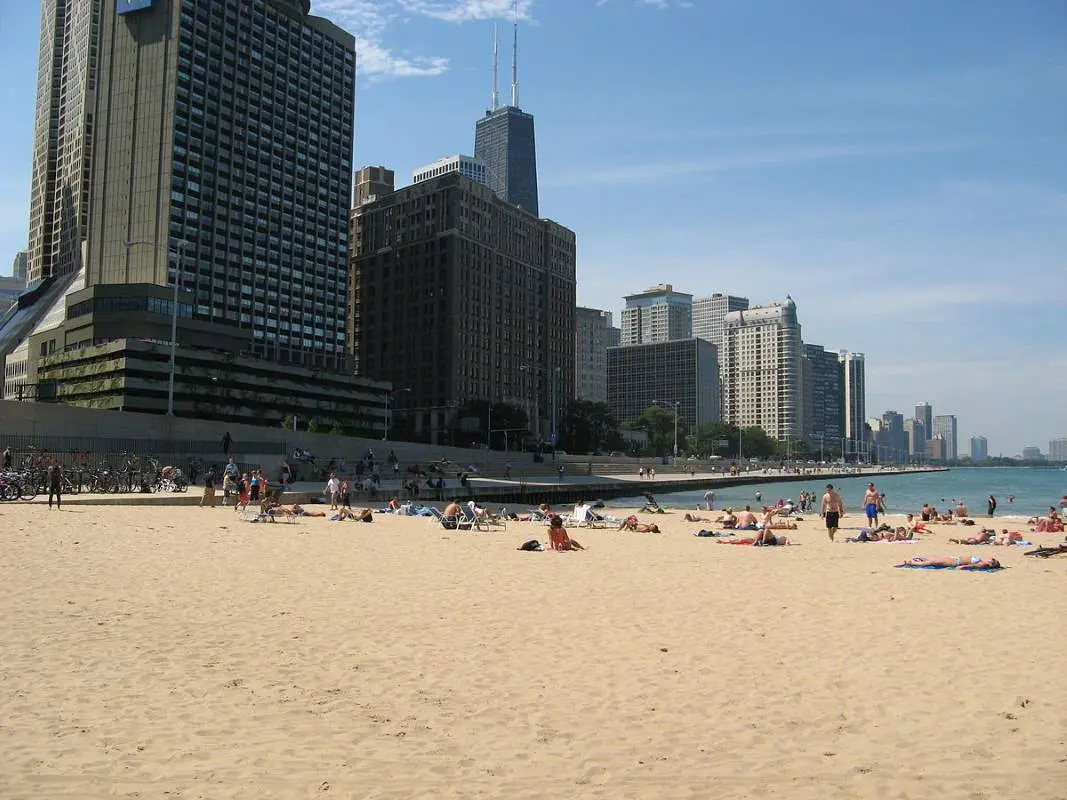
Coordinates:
(588, 427)
(658, 424)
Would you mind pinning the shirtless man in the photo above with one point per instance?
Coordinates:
(870, 505)
(833, 508)
(746, 520)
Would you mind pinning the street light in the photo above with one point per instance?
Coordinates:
(389, 410)
(177, 250)
(675, 403)
(529, 369)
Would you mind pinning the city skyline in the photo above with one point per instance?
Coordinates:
(931, 172)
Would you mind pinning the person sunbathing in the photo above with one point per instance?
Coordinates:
(764, 539)
(959, 562)
(914, 525)
(985, 537)
(631, 524)
(394, 504)
(728, 520)
(558, 538)
(452, 510)
(746, 520)
(694, 518)
(358, 514)
(900, 534)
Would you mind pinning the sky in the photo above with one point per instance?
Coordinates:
(899, 169)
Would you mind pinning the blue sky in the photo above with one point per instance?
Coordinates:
(899, 168)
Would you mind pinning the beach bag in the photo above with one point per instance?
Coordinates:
(531, 546)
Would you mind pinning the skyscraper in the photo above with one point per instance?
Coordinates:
(762, 370)
(709, 312)
(659, 314)
(591, 343)
(979, 448)
(223, 149)
(1057, 450)
(19, 267)
(453, 307)
(916, 436)
(373, 183)
(504, 141)
(855, 386)
(824, 397)
(59, 189)
(466, 166)
(682, 371)
(945, 428)
(924, 413)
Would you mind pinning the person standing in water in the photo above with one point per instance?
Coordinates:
(992, 504)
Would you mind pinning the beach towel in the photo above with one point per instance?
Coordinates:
(705, 534)
(937, 566)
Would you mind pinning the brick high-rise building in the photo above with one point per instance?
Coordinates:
(458, 295)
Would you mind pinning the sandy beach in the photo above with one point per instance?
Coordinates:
(182, 653)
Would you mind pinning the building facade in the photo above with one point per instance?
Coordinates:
(924, 413)
(892, 441)
(916, 437)
(504, 142)
(223, 150)
(459, 296)
(979, 449)
(708, 314)
(1057, 450)
(20, 266)
(591, 343)
(1032, 454)
(945, 427)
(59, 189)
(683, 371)
(373, 183)
(824, 398)
(762, 370)
(855, 389)
(659, 314)
(467, 166)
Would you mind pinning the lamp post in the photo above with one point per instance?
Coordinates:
(177, 250)
(530, 370)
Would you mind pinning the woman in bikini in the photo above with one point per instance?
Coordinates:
(960, 562)
(558, 538)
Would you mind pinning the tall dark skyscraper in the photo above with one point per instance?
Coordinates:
(224, 142)
(504, 141)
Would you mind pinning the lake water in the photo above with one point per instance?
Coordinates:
(1034, 491)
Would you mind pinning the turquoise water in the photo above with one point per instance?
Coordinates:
(1034, 491)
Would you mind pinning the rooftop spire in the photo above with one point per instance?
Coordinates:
(515, 54)
(496, 71)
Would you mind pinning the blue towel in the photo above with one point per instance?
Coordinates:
(935, 566)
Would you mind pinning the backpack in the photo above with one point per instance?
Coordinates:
(532, 545)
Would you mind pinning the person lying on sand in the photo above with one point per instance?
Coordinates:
(558, 538)
(900, 534)
(631, 524)
(764, 539)
(960, 562)
(728, 520)
(694, 518)
(769, 524)
(985, 537)
(358, 514)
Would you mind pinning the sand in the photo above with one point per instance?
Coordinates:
(180, 653)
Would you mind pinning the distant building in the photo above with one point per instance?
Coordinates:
(504, 141)
(945, 427)
(452, 307)
(823, 398)
(614, 337)
(467, 166)
(1057, 450)
(762, 370)
(685, 371)
(979, 449)
(892, 442)
(924, 412)
(373, 183)
(1033, 454)
(11, 288)
(709, 312)
(659, 314)
(937, 447)
(591, 343)
(855, 390)
(20, 267)
(916, 437)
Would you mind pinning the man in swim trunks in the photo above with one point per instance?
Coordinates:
(833, 508)
(870, 505)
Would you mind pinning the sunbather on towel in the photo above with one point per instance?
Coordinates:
(764, 539)
(985, 537)
(694, 518)
(631, 524)
(959, 562)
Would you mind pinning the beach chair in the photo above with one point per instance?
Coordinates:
(450, 523)
(583, 517)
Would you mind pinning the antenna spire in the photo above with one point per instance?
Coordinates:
(515, 55)
(496, 71)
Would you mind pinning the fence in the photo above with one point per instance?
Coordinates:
(98, 447)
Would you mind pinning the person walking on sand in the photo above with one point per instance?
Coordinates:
(871, 501)
(333, 491)
(209, 489)
(833, 508)
(55, 484)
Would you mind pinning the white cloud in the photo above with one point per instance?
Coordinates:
(369, 21)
